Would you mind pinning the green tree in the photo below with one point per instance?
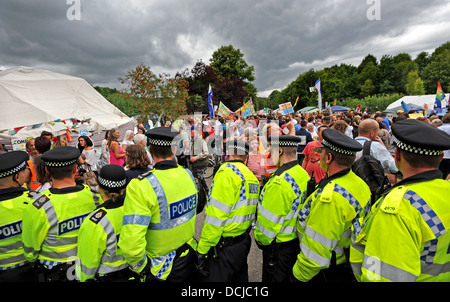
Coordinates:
(414, 85)
(437, 71)
(155, 94)
(229, 62)
(368, 88)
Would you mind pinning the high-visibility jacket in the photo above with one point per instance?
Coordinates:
(34, 184)
(279, 204)
(327, 221)
(51, 223)
(12, 203)
(231, 204)
(406, 237)
(98, 253)
(159, 217)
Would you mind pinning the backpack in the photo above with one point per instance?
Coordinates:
(369, 169)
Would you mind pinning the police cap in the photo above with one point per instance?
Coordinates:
(419, 137)
(12, 162)
(61, 157)
(285, 140)
(112, 178)
(163, 136)
(238, 145)
(339, 142)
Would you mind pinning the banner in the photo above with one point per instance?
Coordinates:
(224, 111)
(247, 109)
(286, 108)
(440, 97)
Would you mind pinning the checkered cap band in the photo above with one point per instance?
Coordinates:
(242, 148)
(161, 143)
(284, 143)
(337, 149)
(14, 170)
(416, 150)
(59, 164)
(113, 184)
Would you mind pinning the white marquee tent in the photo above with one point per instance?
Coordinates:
(32, 100)
(416, 101)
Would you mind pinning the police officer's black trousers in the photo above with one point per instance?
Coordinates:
(227, 262)
(24, 273)
(183, 268)
(278, 260)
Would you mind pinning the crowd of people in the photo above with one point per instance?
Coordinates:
(288, 178)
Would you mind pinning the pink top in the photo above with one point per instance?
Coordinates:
(256, 167)
(116, 161)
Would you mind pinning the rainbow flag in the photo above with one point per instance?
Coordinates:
(440, 96)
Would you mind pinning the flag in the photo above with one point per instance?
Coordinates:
(210, 103)
(224, 111)
(247, 109)
(317, 85)
(296, 101)
(405, 107)
(335, 102)
(440, 96)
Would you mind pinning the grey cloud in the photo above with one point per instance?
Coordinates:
(280, 38)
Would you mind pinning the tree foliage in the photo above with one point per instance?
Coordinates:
(154, 94)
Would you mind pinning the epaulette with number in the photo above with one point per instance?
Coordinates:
(97, 216)
(145, 175)
(40, 200)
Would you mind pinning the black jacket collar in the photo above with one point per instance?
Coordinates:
(286, 167)
(11, 193)
(73, 189)
(326, 180)
(421, 177)
(166, 165)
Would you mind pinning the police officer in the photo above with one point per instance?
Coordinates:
(278, 207)
(53, 218)
(99, 258)
(406, 237)
(225, 241)
(331, 214)
(13, 198)
(157, 237)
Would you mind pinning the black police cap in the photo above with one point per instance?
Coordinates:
(339, 142)
(12, 162)
(163, 136)
(419, 137)
(61, 157)
(112, 178)
(238, 145)
(285, 140)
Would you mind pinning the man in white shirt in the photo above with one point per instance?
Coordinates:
(445, 163)
(368, 131)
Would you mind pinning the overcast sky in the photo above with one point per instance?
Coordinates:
(280, 38)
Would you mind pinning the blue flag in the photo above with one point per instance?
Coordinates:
(210, 103)
(406, 108)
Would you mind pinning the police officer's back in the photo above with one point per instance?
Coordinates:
(13, 198)
(332, 214)
(225, 241)
(278, 207)
(406, 237)
(158, 229)
(99, 258)
(52, 220)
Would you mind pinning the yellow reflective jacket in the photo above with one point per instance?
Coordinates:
(328, 220)
(98, 253)
(406, 237)
(51, 223)
(159, 217)
(231, 205)
(279, 204)
(12, 203)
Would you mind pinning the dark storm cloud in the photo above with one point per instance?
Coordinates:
(280, 38)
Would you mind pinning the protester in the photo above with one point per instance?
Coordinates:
(445, 163)
(256, 159)
(104, 156)
(116, 154)
(312, 152)
(137, 161)
(88, 154)
(127, 140)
